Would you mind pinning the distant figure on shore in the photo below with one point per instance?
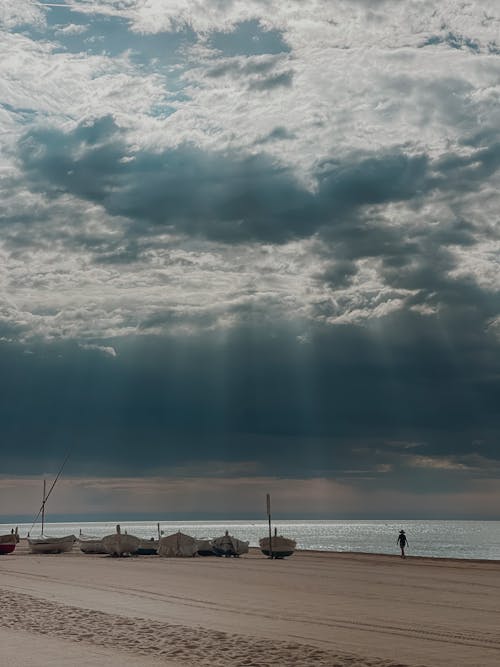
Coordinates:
(403, 542)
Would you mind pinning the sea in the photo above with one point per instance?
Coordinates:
(436, 539)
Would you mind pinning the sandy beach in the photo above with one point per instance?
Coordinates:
(321, 609)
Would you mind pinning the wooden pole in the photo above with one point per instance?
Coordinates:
(43, 504)
(268, 499)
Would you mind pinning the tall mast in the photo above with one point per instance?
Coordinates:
(43, 503)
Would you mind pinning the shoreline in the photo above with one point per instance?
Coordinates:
(409, 557)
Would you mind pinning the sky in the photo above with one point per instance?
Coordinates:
(250, 247)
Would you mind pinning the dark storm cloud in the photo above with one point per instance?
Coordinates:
(226, 198)
(212, 195)
(220, 196)
(335, 404)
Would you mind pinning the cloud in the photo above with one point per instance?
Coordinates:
(436, 463)
(100, 348)
(195, 498)
(219, 196)
(20, 13)
(228, 199)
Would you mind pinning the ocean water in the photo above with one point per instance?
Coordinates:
(439, 539)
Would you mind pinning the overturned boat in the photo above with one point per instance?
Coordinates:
(8, 542)
(51, 545)
(278, 546)
(178, 545)
(120, 544)
(227, 546)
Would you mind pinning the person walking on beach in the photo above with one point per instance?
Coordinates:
(403, 542)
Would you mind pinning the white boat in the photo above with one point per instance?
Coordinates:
(120, 544)
(8, 542)
(51, 545)
(91, 545)
(227, 546)
(178, 545)
(280, 547)
(45, 544)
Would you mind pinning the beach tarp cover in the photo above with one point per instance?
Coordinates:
(178, 544)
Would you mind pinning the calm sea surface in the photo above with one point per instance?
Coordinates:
(442, 539)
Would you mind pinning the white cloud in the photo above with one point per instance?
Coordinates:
(71, 29)
(19, 13)
(436, 463)
(108, 350)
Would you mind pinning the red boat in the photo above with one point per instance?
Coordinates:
(8, 542)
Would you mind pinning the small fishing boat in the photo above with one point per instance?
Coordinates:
(148, 547)
(205, 548)
(8, 542)
(91, 545)
(121, 544)
(46, 544)
(178, 545)
(51, 545)
(227, 546)
(280, 546)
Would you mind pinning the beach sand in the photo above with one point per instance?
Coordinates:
(313, 609)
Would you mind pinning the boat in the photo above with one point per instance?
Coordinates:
(120, 544)
(91, 545)
(8, 542)
(228, 546)
(45, 544)
(148, 547)
(205, 548)
(178, 545)
(51, 545)
(281, 547)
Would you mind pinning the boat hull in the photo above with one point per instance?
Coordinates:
(121, 544)
(178, 545)
(8, 543)
(148, 548)
(89, 546)
(277, 554)
(205, 548)
(281, 547)
(228, 546)
(52, 545)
